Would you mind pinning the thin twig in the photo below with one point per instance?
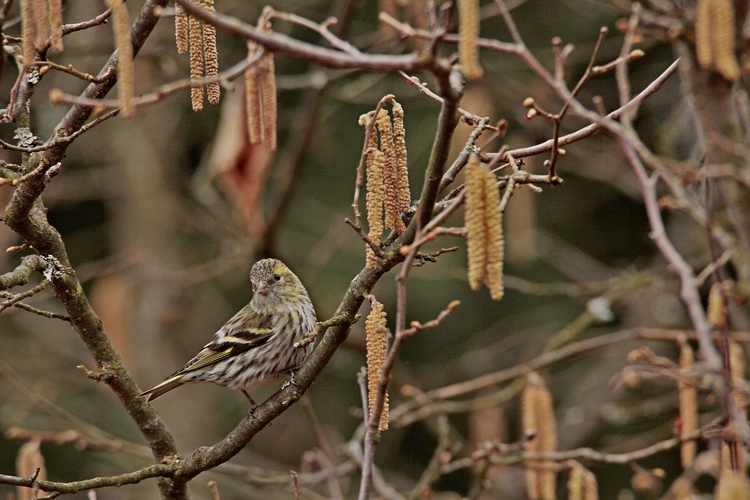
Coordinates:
(15, 181)
(558, 118)
(100, 19)
(321, 29)
(621, 71)
(40, 312)
(58, 97)
(372, 434)
(326, 456)
(410, 32)
(595, 126)
(374, 246)
(459, 163)
(469, 118)
(688, 290)
(19, 297)
(67, 69)
(588, 454)
(62, 139)
(295, 484)
(495, 378)
(431, 235)
(433, 471)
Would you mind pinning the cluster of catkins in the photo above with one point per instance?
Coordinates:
(388, 193)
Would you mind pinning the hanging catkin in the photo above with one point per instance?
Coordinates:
(195, 36)
(391, 173)
(688, 403)
(375, 199)
(476, 237)
(267, 84)
(538, 417)
(211, 55)
(715, 37)
(41, 24)
(27, 31)
(180, 29)
(56, 25)
(125, 70)
(376, 340)
(399, 144)
(493, 273)
(252, 98)
(468, 33)
(483, 221)
(582, 483)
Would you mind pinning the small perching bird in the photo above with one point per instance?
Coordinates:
(255, 347)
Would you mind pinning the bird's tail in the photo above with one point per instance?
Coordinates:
(163, 388)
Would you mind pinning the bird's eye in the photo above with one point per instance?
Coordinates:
(276, 277)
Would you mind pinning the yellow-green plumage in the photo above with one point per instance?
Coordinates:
(256, 346)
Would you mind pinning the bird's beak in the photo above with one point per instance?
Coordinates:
(263, 288)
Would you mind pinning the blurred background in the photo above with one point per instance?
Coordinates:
(163, 223)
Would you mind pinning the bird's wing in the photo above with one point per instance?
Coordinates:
(222, 348)
(252, 337)
(234, 338)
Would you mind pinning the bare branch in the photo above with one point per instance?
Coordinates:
(14, 299)
(27, 217)
(469, 118)
(58, 97)
(21, 274)
(588, 454)
(399, 415)
(157, 470)
(439, 155)
(278, 42)
(66, 69)
(595, 126)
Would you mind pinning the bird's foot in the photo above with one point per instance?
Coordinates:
(290, 380)
(253, 404)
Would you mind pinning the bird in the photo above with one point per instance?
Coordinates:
(257, 345)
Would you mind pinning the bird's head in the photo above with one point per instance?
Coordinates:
(274, 283)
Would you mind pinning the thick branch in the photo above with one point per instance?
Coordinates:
(26, 215)
(447, 122)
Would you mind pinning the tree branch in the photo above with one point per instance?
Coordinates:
(589, 130)
(330, 58)
(447, 122)
(156, 470)
(26, 215)
(21, 274)
(399, 415)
